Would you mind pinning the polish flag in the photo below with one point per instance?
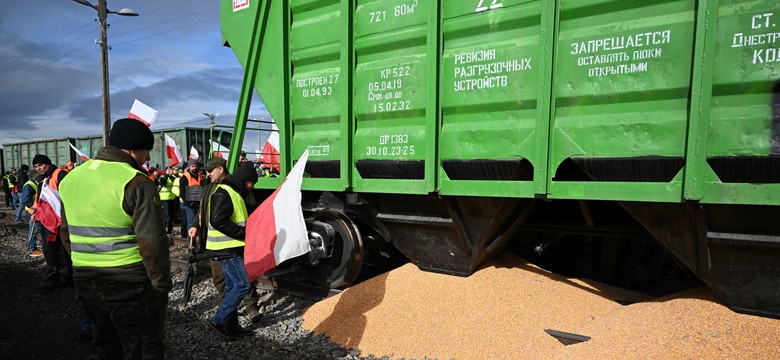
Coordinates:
(217, 150)
(79, 153)
(48, 211)
(142, 113)
(276, 231)
(172, 151)
(194, 153)
(270, 153)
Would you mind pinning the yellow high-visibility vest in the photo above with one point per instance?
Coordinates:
(166, 190)
(35, 195)
(215, 240)
(176, 189)
(101, 232)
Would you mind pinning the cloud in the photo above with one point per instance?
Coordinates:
(170, 58)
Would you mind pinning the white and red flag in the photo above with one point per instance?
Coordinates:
(172, 151)
(217, 150)
(79, 153)
(270, 153)
(48, 211)
(142, 113)
(194, 153)
(276, 231)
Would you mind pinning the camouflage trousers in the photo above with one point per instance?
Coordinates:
(128, 319)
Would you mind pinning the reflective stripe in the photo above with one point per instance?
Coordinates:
(94, 231)
(103, 247)
(224, 237)
(220, 238)
(215, 239)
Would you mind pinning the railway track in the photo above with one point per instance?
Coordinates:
(203, 270)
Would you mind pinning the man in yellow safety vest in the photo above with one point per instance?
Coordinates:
(113, 226)
(224, 222)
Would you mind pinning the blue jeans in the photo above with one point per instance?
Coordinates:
(191, 212)
(19, 211)
(236, 287)
(32, 233)
(15, 203)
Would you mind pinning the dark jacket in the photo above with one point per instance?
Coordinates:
(142, 202)
(219, 206)
(22, 178)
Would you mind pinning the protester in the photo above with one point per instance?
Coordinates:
(168, 198)
(222, 233)
(60, 272)
(15, 189)
(190, 187)
(7, 184)
(29, 195)
(113, 225)
(250, 301)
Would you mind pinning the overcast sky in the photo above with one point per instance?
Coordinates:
(170, 57)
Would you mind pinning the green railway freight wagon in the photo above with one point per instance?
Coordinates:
(60, 151)
(184, 137)
(448, 128)
(17, 154)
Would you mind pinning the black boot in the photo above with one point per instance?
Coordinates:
(67, 281)
(52, 282)
(238, 330)
(222, 330)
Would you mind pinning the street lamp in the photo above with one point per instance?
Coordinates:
(103, 11)
(211, 116)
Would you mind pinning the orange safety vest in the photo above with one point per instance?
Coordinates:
(191, 181)
(53, 182)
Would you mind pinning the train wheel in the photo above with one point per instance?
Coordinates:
(342, 267)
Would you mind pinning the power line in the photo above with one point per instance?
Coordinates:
(35, 69)
(162, 23)
(32, 71)
(154, 10)
(171, 30)
(52, 43)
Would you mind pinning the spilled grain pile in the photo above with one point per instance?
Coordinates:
(499, 312)
(688, 325)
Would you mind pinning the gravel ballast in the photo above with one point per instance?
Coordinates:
(38, 324)
(500, 312)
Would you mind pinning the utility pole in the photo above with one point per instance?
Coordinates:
(104, 65)
(102, 10)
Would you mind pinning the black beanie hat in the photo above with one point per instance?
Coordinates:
(131, 134)
(40, 159)
(246, 172)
